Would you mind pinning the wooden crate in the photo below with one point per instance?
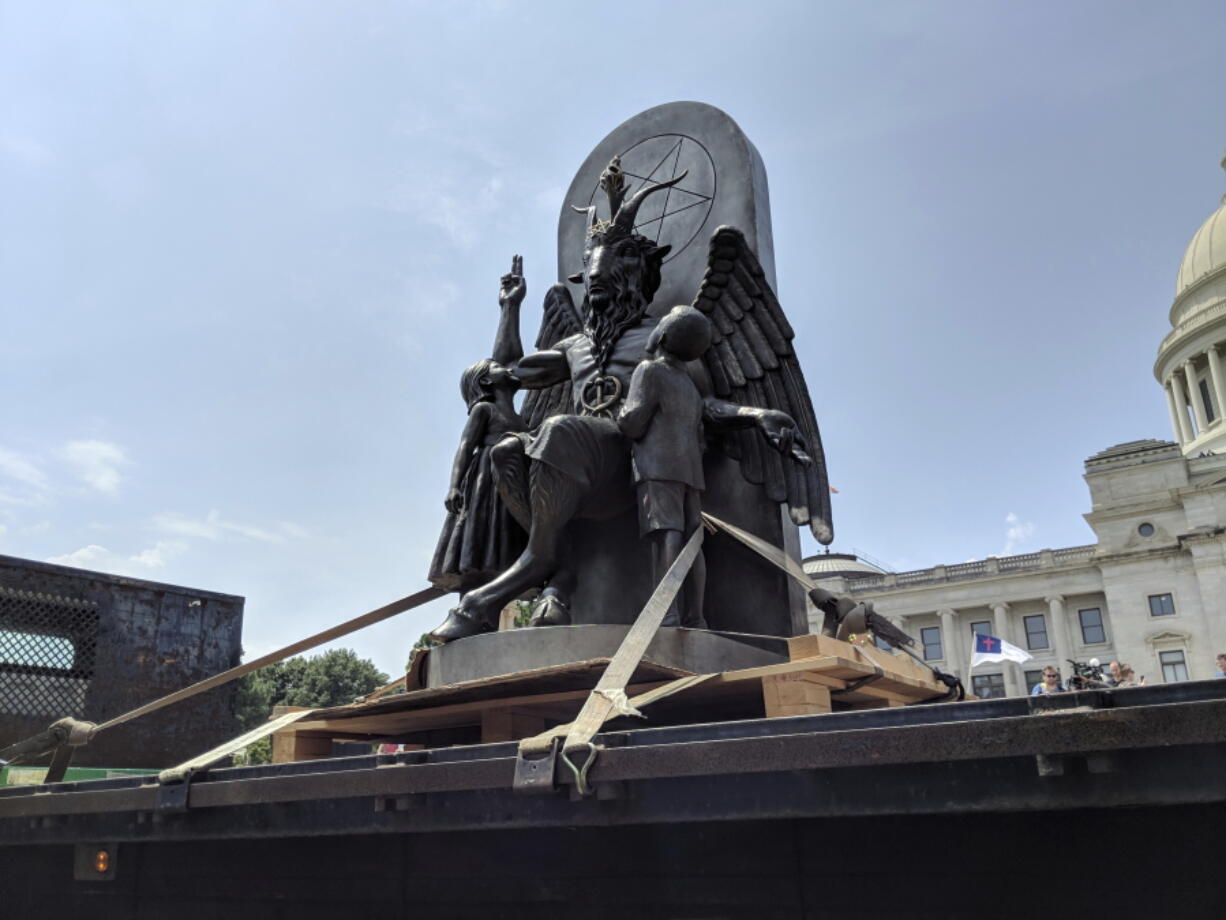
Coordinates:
(823, 675)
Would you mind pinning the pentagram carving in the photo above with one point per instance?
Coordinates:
(676, 216)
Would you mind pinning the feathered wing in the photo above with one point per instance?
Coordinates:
(559, 320)
(751, 362)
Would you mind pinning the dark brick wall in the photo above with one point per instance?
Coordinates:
(152, 639)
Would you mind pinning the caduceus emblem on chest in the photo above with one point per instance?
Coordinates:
(600, 394)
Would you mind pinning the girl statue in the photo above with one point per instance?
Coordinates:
(480, 538)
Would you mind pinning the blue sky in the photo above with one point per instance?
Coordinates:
(246, 249)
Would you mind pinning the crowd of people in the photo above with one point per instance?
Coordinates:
(1117, 674)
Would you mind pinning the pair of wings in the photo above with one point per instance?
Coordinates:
(751, 362)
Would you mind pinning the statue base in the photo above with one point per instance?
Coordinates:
(499, 654)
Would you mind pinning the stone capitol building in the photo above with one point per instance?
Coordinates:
(1151, 591)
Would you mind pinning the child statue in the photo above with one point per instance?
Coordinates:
(480, 538)
(662, 416)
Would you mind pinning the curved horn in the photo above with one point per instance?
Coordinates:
(590, 211)
(627, 212)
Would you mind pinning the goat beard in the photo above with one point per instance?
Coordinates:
(605, 327)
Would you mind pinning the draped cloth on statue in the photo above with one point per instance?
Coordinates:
(482, 539)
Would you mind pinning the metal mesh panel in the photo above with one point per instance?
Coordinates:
(47, 647)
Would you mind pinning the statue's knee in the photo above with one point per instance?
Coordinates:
(505, 450)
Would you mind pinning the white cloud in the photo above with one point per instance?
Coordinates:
(1016, 533)
(459, 210)
(213, 527)
(14, 466)
(102, 559)
(158, 555)
(92, 556)
(96, 463)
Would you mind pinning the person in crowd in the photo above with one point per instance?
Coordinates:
(1128, 677)
(1112, 677)
(1049, 684)
(1221, 664)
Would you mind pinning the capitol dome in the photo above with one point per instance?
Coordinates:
(1206, 253)
(834, 565)
(1190, 358)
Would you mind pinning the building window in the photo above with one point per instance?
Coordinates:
(988, 686)
(1174, 667)
(1092, 631)
(1146, 529)
(1210, 415)
(1030, 678)
(1036, 631)
(882, 644)
(982, 628)
(1161, 605)
(931, 637)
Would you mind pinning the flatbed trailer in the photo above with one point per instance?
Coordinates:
(1074, 804)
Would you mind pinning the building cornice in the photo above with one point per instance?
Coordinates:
(1177, 346)
(1002, 568)
(1192, 290)
(1163, 452)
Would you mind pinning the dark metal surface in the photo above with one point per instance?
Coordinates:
(514, 651)
(1164, 748)
(96, 645)
(940, 865)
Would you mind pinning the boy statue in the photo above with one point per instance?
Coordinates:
(662, 416)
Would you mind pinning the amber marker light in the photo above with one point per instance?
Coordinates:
(102, 861)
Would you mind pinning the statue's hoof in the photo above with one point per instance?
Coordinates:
(549, 610)
(458, 625)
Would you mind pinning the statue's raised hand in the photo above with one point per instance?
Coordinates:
(513, 287)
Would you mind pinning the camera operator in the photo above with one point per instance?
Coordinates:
(1049, 684)
(1089, 675)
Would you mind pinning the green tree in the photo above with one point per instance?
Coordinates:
(331, 679)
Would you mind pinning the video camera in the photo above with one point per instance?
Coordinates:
(1087, 675)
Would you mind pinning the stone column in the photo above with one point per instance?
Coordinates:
(1170, 404)
(955, 655)
(1059, 634)
(1198, 408)
(1215, 372)
(1181, 409)
(1000, 614)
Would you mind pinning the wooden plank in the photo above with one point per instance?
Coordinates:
(450, 716)
(509, 725)
(794, 694)
(291, 746)
(578, 675)
(810, 683)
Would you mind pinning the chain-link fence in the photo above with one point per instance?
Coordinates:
(47, 647)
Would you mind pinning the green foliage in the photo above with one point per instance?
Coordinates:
(331, 679)
(424, 642)
(256, 752)
(524, 615)
(337, 677)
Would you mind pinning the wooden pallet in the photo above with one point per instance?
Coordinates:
(823, 675)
